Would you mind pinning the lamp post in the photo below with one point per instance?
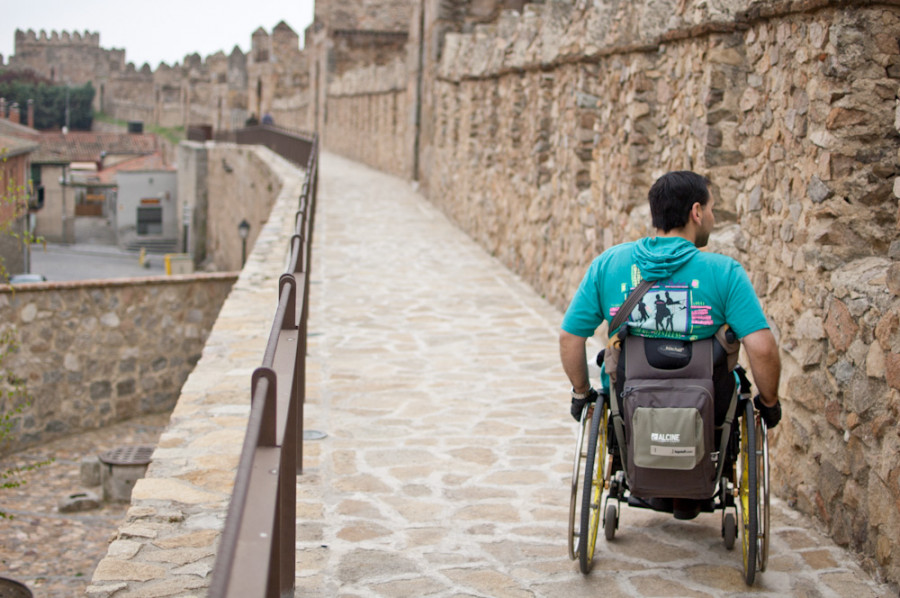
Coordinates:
(243, 231)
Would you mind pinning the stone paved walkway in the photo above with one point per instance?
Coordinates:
(445, 472)
(447, 464)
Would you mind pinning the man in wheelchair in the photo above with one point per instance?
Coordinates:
(671, 295)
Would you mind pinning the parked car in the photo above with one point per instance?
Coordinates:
(30, 277)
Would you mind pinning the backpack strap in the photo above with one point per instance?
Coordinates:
(628, 306)
(624, 311)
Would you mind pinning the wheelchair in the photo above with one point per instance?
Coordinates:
(601, 485)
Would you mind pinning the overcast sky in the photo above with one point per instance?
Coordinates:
(157, 31)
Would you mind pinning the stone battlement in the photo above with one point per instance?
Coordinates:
(63, 38)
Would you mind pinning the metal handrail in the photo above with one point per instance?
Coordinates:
(257, 551)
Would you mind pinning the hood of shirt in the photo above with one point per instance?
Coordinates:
(660, 257)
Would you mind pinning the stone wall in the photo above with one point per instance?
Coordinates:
(370, 117)
(64, 57)
(551, 125)
(222, 184)
(168, 543)
(275, 77)
(364, 15)
(96, 352)
(222, 91)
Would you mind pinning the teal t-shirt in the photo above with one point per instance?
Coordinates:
(695, 294)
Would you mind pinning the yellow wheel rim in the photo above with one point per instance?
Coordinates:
(744, 489)
(597, 485)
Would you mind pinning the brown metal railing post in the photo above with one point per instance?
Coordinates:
(267, 429)
(261, 523)
(268, 438)
(287, 501)
(290, 313)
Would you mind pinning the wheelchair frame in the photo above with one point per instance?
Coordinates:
(742, 485)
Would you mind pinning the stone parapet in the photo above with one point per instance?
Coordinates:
(556, 32)
(372, 115)
(93, 353)
(167, 544)
(550, 126)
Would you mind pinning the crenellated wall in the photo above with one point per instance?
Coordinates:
(222, 91)
(550, 125)
(64, 57)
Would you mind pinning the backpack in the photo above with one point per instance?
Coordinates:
(669, 418)
(664, 413)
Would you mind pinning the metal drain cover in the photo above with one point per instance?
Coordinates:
(128, 455)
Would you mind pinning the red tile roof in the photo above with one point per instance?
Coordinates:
(8, 127)
(154, 162)
(13, 146)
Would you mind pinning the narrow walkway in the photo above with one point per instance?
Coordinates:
(446, 467)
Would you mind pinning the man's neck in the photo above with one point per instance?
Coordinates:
(685, 233)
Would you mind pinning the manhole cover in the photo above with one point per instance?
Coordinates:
(128, 455)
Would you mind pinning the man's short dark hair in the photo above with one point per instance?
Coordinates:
(672, 196)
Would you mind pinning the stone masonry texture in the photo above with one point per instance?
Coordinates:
(538, 129)
(551, 125)
(97, 352)
(543, 129)
(447, 457)
(167, 544)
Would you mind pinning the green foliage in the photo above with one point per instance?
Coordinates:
(14, 397)
(13, 206)
(50, 100)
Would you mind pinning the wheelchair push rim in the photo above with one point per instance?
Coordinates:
(595, 472)
(762, 451)
(748, 502)
(575, 499)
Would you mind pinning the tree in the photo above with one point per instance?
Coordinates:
(50, 101)
(14, 397)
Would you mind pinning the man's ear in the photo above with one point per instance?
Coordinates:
(697, 212)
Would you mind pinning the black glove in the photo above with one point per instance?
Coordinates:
(578, 404)
(770, 415)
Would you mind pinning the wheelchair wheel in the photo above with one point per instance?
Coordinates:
(610, 522)
(762, 455)
(748, 493)
(575, 500)
(593, 484)
(729, 530)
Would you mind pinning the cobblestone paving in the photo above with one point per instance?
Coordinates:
(55, 553)
(447, 464)
(446, 467)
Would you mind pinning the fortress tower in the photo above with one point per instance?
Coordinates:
(277, 75)
(67, 58)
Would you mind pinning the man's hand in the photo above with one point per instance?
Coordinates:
(578, 404)
(770, 415)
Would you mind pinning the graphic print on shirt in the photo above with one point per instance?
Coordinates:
(663, 309)
(670, 309)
